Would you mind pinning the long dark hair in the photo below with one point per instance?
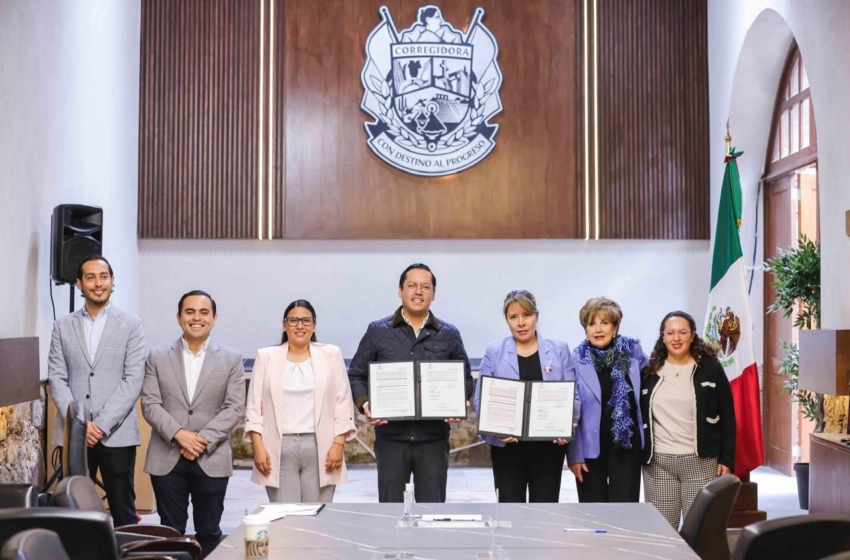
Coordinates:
(299, 303)
(698, 349)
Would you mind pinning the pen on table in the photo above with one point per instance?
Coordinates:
(582, 530)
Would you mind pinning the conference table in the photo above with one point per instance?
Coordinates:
(513, 531)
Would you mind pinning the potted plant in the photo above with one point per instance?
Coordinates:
(811, 404)
(796, 280)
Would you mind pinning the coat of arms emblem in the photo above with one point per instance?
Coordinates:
(431, 90)
(723, 329)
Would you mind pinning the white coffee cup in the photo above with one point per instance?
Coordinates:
(256, 536)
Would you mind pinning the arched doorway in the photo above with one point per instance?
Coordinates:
(791, 209)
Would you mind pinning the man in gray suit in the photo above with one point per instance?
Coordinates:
(193, 398)
(97, 356)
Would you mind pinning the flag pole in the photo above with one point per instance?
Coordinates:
(729, 155)
(746, 508)
(728, 138)
(388, 18)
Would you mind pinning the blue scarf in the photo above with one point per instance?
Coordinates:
(616, 358)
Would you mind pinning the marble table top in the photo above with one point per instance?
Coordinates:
(371, 531)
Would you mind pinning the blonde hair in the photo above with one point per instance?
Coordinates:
(600, 305)
(524, 298)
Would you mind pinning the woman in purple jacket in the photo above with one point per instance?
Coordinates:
(605, 455)
(525, 466)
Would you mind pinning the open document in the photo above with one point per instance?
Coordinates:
(526, 410)
(417, 390)
(392, 390)
(550, 412)
(442, 390)
(502, 406)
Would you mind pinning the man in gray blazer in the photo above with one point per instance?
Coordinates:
(97, 356)
(193, 398)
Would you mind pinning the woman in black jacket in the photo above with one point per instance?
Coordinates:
(689, 418)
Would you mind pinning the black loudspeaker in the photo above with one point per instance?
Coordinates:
(76, 233)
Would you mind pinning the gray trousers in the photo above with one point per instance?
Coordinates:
(299, 472)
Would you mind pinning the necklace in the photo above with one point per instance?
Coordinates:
(679, 369)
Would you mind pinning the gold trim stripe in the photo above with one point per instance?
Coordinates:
(586, 80)
(270, 198)
(595, 120)
(260, 124)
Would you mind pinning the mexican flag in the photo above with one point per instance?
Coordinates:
(728, 323)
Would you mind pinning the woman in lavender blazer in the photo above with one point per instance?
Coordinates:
(605, 455)
(520, 466)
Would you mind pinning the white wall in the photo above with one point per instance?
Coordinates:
(353, 282)
(748, 43)
(69, 105)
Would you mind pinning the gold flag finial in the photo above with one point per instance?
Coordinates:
(728, 139)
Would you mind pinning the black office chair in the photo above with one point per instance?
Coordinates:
(75, 457)
(800, 537)
(79, 492)
(18, 495)
(839, 556)
(704, 529)
(85, 535)
(88, 535)
(72, 459)
(34, 544)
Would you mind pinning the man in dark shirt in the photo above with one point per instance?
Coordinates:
(411, 333)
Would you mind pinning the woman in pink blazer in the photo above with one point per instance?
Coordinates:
(300, 413)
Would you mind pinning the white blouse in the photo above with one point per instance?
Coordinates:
(298, 400)
(674, 410)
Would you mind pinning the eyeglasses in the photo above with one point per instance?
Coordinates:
(412, 286)
(306, 321)
(681, 332)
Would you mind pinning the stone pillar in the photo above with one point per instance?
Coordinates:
(21, 442)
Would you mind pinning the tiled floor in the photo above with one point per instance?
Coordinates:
(777, 492)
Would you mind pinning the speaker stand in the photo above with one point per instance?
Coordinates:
(71, 310)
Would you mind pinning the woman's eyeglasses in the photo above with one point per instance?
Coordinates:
(306, 321)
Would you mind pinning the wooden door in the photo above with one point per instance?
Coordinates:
(778, 423)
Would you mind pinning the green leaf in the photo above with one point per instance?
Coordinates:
(795, 276)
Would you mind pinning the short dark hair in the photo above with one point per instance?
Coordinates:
(89, 259)
(195, 293)
(419, 266)
(298, 303)
(427, 13)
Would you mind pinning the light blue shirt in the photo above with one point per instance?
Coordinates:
(94, 328)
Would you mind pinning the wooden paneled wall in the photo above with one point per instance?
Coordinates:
(199, 99)
(653, 119)
(337, 188)
(216, 162)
